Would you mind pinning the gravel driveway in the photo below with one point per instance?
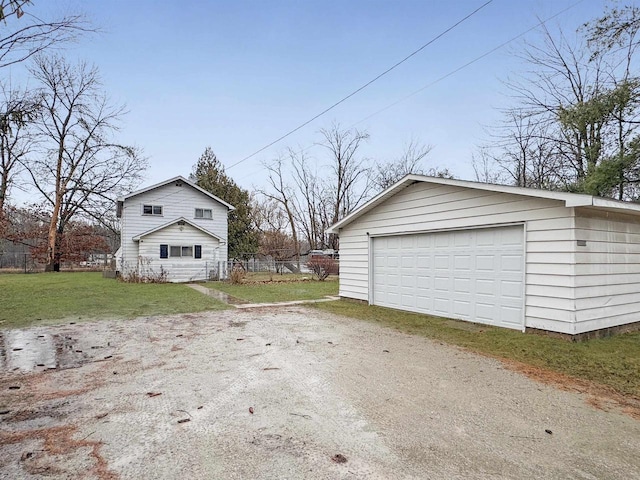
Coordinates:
(287, 393)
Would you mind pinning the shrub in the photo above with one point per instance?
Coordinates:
(322, 267)
(143, 273)
(237, 275)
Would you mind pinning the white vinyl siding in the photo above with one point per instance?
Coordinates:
(185, 267)
(426, 207)
(607, 282)
(176, 202)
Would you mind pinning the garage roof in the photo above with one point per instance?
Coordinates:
(569, 199)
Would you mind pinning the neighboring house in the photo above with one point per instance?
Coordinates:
(507, 256)
(175, 227)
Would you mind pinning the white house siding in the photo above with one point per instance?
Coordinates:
(425, 207)
(607, 283)
(176, 202)
(180, 269)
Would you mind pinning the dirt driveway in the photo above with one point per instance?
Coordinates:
(287, 393)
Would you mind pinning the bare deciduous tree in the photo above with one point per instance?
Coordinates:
(576, 119)
(24, 35)
(350, 185)
(18, 110)
(282, 194)
(388, 173)
(81, 169)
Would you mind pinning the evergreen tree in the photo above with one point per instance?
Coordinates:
(209, 174)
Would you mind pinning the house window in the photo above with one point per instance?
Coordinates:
(152, 209)
(205, 213)
(181, 251)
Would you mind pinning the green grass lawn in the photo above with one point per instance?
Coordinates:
(613, 361)
(46, 297)
(270, 292)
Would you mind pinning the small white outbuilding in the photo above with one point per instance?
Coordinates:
(500, 255)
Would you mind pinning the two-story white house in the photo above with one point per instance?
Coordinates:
(174, 227)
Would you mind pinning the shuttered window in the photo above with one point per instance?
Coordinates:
(185, 251)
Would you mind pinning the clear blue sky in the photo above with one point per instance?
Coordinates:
(236, 75)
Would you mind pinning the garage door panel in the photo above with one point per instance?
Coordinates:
(485, 286)
(462, 262)
(462, 239)
(486, 313)
(462, 309)
(441, 262)
(423, 261)
(408, 281)
(485, 263)
(474, 274)
(511, 263)
(441, 305)
(462, 285)
(407, 241)
(511, 289)
(408, 261)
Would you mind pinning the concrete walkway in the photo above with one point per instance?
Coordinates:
(238, 303)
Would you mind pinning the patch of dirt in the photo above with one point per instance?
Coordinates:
(57, 441)
(600, 396)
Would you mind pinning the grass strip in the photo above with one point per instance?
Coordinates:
(27, 300)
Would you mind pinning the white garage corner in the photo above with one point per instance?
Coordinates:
(493, 254)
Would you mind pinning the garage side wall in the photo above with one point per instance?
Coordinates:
(425, 207)
(607, 270)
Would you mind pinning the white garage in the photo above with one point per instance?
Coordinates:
(493, 254)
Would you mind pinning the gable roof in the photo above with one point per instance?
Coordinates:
(569, 199)
(173, 222)
(176, 179)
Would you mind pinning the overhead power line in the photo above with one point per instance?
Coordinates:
(453, 72)
(415, 52)
(469, 63)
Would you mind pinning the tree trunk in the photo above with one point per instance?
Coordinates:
(53, 256)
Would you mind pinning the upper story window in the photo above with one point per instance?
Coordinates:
(152, 209)
(204, 213)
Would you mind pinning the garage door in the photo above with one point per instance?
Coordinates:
(475, 275)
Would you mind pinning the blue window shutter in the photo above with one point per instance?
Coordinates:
(164, 251)
(198, 251)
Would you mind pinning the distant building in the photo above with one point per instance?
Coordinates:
(174, 227)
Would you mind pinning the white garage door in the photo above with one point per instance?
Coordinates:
(475, 275)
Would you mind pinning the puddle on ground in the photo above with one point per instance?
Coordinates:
(223, 297)
(29, 350)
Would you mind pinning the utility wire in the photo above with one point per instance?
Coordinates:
(452, 72)
(415, 52)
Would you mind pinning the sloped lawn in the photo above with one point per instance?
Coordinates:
(30, 299)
